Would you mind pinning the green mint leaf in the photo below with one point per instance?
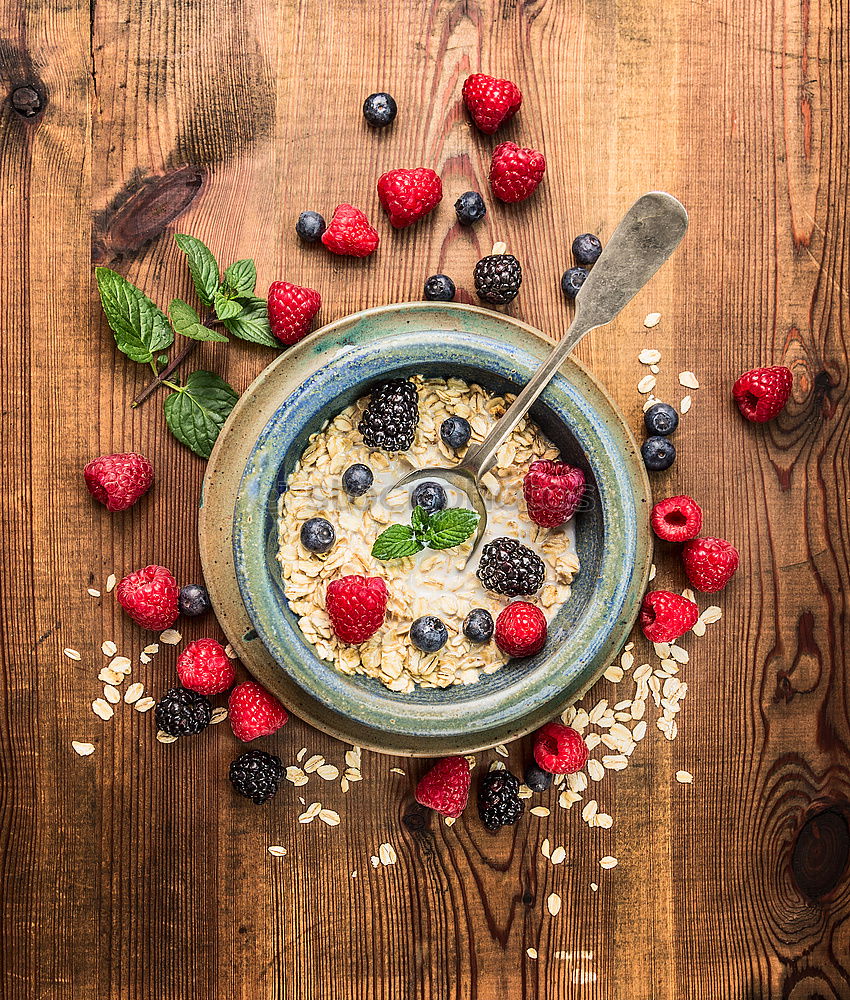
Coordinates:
(253, 323)
(140, 327)
(225, 307)
(240, 278)
(202, 266)
(450, 527)
(162, 359)
(197, 412)
(188, 323)
(419, 519)
(396, 542)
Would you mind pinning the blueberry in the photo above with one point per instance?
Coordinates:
(661, 419)
(478, 625)
(430, 496)
(470, 208)
(439, 288)
(428, 634)
(537, 779)
(317, 534)
(455, 432)
(357, 479)
(586, 249)
(380, 110)
(310, 226)
(658, 453)
(194, 600)
(572, 280)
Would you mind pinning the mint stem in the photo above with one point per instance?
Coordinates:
(172, 367)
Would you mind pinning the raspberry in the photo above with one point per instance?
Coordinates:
(291, 310)
(349, 233)
(665, 616)
(390, 420)
(445, 788)
(118, 481)
(149, 596)
(515, 171)
(407, 195)
(710, 563)
(559, 749)
(508, 567)
(553, 492)
(521, 629)
(254, 712)
(676, 519)
(256, 775)
(762, 393)
(490, 101)
(180, 712)
(203, 666)
(356, 606)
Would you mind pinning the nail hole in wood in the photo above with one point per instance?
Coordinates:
(26, 101)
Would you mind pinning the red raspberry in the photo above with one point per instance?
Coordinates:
(118, 480)
(407, 195)
(356, 606)
(254, 712)
(521, 629)
(149, 596)
(203, 666)
(676, 519)
(515, 172)
(559, 749)
(490, 101)
(665, 616)
(763, 392)
(291, 310)
(445, 788)
(349, 233)
(552, 491)
(710, 563)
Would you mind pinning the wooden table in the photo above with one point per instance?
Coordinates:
(135, 873)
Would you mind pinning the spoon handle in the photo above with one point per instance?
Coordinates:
(647, 235)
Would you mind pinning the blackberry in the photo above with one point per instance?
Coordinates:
(390, 419)
(181, 712)
(497, 278)
(536, 778)
(317, 535)
(380, 110)
(659, 453)
(508, 567)
(428, 634)
(572, 280)
(661, 419)
(586, 249)
(430, 496)
(478, 625)
(498, 802)
(357, 480)
(194, 600)
(310, 226)
(470, 208)
(455, 431)
(256, 775)
(439, 288)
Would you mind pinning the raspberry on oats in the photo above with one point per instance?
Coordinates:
(356, 606)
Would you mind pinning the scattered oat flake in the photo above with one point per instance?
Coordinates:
(111, 581)
(165, 738)
(314, 763)
(449, 820)
(144, 658)
(387, 854)
(531, 952)
(604, 820)
(595, 770)
(553, 904)
(170, 637)
(73, 654)
(559, 856)
(276, 851)
(396, 770)
(614, 674)
(92, 592)
(524, 792)
(329, 772)
(655, 369)
(375, 861)
(651, 320)
(546, 848)
(649, 356)
(102, 709)
(301, 753)
(152, 649)
(112, 694)
(110, 676)
(652, 572)
(689, 595)
(144, 704)
(310, 813)
(501, 750)
(685, 777)
(608, 862)
(594, 886)
(685, 405)
(343, 784)
(82, 749)
(647, 383)
(329, 817)
(539, 811)
(688, 380)
(108, 648)
(711, 615)
(651, 400)
(121, 664)
(230, 652)
(219, 714)
(134, 692)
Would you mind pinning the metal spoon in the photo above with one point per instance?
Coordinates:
(647, 235)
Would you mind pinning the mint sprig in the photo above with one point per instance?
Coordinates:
(140, 327)
(442, 530)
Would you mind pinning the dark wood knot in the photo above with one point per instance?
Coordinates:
(26, 101)
(415, 821)
(821, 852)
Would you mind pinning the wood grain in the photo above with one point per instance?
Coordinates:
(134, 873)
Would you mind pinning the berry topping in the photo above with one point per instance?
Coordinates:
(659, 453)
(357, 480)
(508, 567)
(254, 712)
(350, 234)
(380, 110)
(572, 279)
(521, 629)
(586, 249)
(537, 779)
(180, 712)
(256, 775)
(428, 634)
(317, 535)
(490, 101)
(763, 392)
(310, 226)
(498, 802)
(118, 481)
(408, 195)
(455, 432)
(661, 419)
(665, 616)
(390, 419)
(149, 596)
(515, 171)
(356, 606)
(203, 666)
(291, 310)
(470, 208)
(710, 563)
(193, 600)
(439, 288)
(497, 278)
(445, 788)
(676, 519)
(430, 496)
(559, 749)
(478, 625)
(553, 492)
